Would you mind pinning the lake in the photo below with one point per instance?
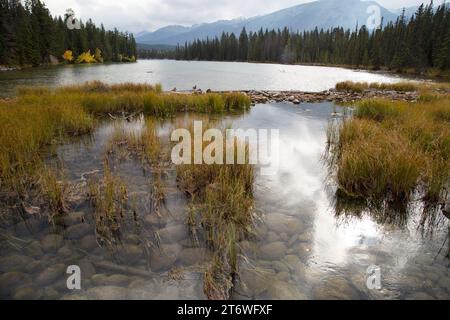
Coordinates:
(183, 75)
(307, 244)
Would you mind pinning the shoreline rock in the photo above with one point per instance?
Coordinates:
(297, 97)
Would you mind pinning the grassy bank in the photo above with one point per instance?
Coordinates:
(389, 150)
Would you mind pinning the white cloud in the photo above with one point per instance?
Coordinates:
(145, 15)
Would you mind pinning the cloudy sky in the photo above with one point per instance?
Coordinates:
(148, 15)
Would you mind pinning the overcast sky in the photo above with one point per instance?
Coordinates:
(148, 15)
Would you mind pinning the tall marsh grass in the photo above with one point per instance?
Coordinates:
(109, 198)
(362, 86)
(222, 197)
(391, 149)
(40, 116)
(26, 130)
(99, 99)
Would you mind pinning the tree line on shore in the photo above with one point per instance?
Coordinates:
(421, 42)
(29, 35)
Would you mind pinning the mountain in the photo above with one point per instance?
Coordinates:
(322, 14)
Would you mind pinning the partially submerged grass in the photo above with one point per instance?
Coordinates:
(222, 196)
(108, 198)
(93, 87)
(362, 86)
(25, 131)
(40, 117)
(391, 149)
(55, 192)
(98, 98)
(143, 143)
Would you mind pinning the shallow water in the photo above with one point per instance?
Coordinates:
(183, 75)
(302, 249)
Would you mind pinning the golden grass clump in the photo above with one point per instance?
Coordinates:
(143, 143)
(360, 87)
(98, 98)
(352, 86)
(25, 130)
(389, 149)
(222, 196)
(109, 198)
(39, 117)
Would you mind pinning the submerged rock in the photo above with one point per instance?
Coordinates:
(52, 242)
(161, 260)
(29, 227)
(283, 276)
(34, 249)
(191, 256)
(87, 269)
(15, 262)
(281, 223)
(27, 293)
(50, 294)
(132, 239)
(107, 293)
(272, 237)
(71, 219)
(113, 280)
(419, 296)
(89, 242)
(272, 251)
(129, 254)
(78, 231)
(281, 290)
(254, 283)
(158, 289)
(50, 275)
(280, 266)
(173, 234)
(11, 280)
(65, 251)
(334, 288)
(34, 267)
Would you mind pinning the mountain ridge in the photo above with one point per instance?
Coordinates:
(323, 14)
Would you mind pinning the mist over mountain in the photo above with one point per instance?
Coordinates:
(322, 14)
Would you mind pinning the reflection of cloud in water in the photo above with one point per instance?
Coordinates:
(299, 188)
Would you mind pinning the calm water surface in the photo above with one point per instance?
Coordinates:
(183, 75)
(302, 249)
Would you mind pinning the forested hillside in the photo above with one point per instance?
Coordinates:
(420, 43)
(29, 35)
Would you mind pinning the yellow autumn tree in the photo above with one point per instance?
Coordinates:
(86, 57)
(68, 56)
(98, 55)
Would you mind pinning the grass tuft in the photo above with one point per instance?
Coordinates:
(360, 87)
(222, 196)
(391, 149)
